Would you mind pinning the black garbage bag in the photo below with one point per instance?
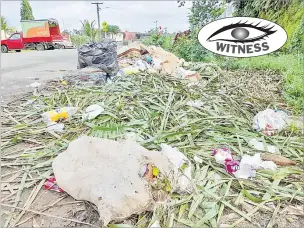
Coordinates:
(102, 55)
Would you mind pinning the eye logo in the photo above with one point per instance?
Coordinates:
(242, 37)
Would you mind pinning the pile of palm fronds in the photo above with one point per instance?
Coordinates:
(155, 108)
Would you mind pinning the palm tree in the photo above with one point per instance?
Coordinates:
(88, 29)
(3, 23)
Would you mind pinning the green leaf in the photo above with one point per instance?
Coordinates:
(194, 205)
(211, 213)
(285, 172)
(251, 197)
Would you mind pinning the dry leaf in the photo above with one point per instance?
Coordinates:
(278, 159)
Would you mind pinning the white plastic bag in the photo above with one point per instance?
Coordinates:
(249, 164)
(56, 127)
(195, 104)
(254, 143)
(270, 121)
(142, 65)
(178, 160)
(92, 112)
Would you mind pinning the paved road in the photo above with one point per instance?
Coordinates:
(18, 70)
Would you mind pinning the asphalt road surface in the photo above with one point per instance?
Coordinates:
(20, 69)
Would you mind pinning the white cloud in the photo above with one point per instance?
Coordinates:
(137, 16)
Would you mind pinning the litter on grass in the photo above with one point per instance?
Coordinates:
(270, 121)
(51, 184)
(254, 143)
(92, 112)
(195, 104)
(79, 174)
(58, 114)
(222, 155)
(150, 107)
(181, 167)
(56, 127)
(246, 167)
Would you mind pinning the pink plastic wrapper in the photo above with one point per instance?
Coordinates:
(225, 157)
(222, 155)
(50, 184)
(232, 166)
(269, 130)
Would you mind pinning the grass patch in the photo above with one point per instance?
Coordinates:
(291, 66)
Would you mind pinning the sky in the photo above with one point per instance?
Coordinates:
(133, 16)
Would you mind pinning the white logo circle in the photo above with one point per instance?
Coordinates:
(242, 36)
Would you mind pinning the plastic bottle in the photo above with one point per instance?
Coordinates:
(59, 114)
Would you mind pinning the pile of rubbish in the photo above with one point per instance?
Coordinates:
(150, 142)
(132, 59)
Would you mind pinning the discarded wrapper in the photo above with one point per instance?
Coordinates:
(92, 112)
(269, 121)
(195, 104)
(142, 65)
(56, 127)
(50, 184)
(182, 167)
(58, 114)
(245, 168)
(222, 154)
(254, 143)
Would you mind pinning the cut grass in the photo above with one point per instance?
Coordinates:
(291, 66)
(154, 107)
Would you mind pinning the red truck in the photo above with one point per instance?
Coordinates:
(36, 34)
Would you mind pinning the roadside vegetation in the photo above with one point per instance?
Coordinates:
(289, 61)
(89, 33)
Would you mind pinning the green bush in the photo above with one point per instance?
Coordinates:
(79, 40)
(164, 41)
(191, 50)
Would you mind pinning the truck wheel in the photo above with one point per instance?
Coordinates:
(18, 50)
(39, 47)
(4, 49)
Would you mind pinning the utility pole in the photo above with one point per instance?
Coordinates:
(155, 26)
(98, 18)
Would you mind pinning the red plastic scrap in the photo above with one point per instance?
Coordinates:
(231, 165)
(50, 184)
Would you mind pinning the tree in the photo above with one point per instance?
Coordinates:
(113, 29)
(88, 29)
(3, 23)
(26, 11)
(205, 11)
